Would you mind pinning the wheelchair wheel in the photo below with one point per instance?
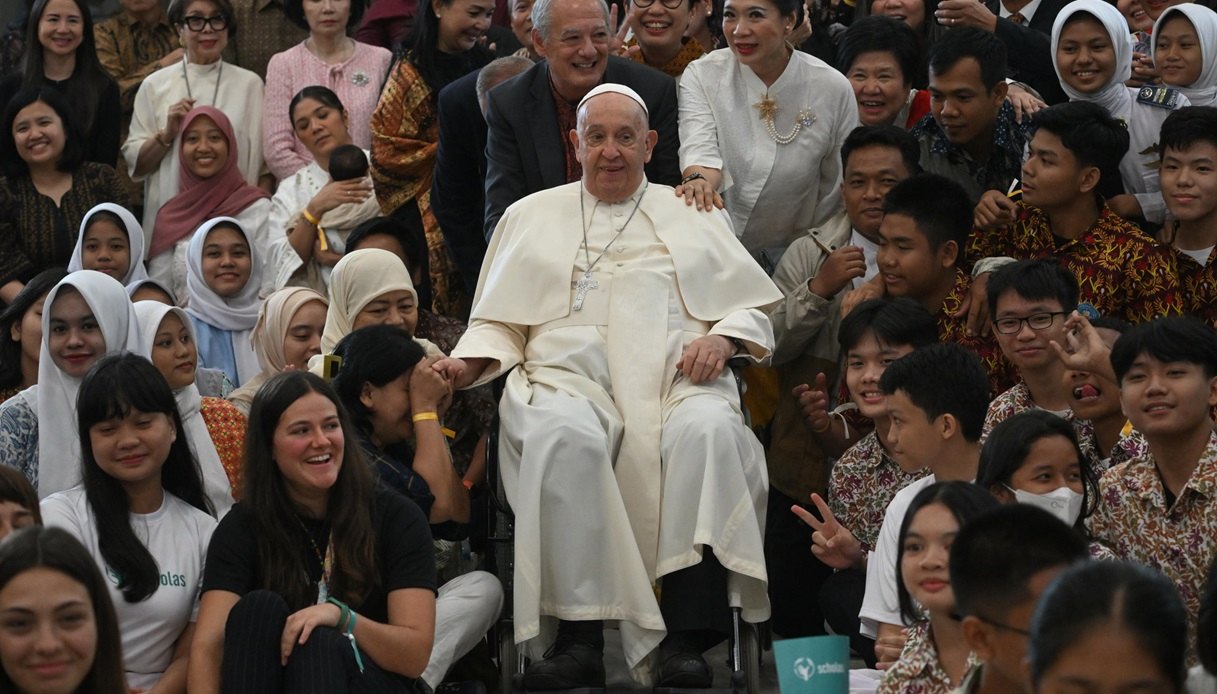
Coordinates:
(750, 658)
(508, 658)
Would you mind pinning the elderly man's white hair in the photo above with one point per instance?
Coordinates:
(542, 10)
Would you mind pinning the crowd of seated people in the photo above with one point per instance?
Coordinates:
(261, 261)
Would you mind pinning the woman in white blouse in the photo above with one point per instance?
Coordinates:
(762, 125)
(165, 97)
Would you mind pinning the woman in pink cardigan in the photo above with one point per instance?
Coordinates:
(329, 58)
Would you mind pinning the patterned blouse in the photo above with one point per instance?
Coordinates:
(130, 51)
(35, 233)
(1120, 271)
(690, 50)
(1179, 540)
(862, 484)
(918, 670)
(1018, 399)
(227, 426)
(19, 438)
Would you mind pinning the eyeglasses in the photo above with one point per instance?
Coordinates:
(992, 622)
(670, 4)
(196, 23)
(1036, 321)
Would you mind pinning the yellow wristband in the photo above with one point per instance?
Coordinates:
(308, 217)
(425, 417)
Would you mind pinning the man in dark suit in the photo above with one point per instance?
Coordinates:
(529, 147)
(458, 189)
(1026, 30)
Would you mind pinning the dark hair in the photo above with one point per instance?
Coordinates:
(1111, 323)
(324, 95)
(883, 136)
(88, 79)
(998, 552)
(279, 536)
(177, 13)
(1175, 338)
(893, 321)
(421, 49)
(348, 162)
(294, 10)
(880, 34)
(1206, 622)
(406, 225)
(376, 354)
(1034, 280)
(1091, 134)
(73, 154)
(112, 389)
(969, 42)
(964, 501)
(943, 378)
(1008, 447)
(15, 488)
(1188, 126)
(40, 547)
(1101, 594)
(10, 349)
(939, 206)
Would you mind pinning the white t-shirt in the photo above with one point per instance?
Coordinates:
(177, 535)
(881, 604)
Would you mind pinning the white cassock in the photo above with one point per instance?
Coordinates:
(618, 468)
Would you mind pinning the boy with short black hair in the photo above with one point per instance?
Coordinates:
(1075, 148)
(865, 478)
(1188, 175)
(1001, 562)
(1159, 509)
(926, 222)
(936, 399)
(1029, 301)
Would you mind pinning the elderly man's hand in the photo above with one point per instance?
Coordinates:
(965, 13)
(705, 358)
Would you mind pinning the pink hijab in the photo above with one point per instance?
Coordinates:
(223, 195)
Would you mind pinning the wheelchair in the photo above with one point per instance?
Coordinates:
(745, 643)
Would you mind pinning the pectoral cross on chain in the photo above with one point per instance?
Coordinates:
(582, 287)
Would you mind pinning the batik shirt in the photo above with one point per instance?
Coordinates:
(1133, 519)
(1120, 271)
(1198, 286)
(940, 156)
(953, 328)
(918, 670)
(863, 482)
(1018, 399)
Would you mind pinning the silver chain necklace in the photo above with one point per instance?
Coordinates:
(219, 75)
(586, 283)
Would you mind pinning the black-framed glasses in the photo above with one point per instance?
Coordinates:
(1036, 321)
(197, 22)
(1002, 625)
(670, 4)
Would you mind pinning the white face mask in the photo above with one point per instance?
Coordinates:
(1064, 503)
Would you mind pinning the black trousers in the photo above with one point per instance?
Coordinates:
(795, 575)
(323, 665)
(841, 600)
(693, 602)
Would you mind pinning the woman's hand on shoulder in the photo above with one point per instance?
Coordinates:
(300, 626)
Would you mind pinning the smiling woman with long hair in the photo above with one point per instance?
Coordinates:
(318, 580)
(141, 513)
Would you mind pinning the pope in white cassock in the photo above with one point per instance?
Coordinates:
(614, 308)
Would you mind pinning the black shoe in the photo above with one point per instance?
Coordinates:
(570, 663)
(683, 667)
(465, 687)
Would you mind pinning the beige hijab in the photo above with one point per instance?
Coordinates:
(269, 333)
(357, 280)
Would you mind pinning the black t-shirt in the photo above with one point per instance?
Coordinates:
(406, 556)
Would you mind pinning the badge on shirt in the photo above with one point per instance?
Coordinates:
(1160, 97)
(359, 79)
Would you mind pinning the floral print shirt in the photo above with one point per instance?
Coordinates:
(918, 670)
(1179, 540)
(862, 484)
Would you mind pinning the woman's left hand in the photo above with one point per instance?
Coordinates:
(1024, 102)
(300, 626)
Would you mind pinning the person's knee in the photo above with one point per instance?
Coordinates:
(476, 596)
(258, 607)
(702, 417)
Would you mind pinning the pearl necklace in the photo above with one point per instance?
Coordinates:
(768, 108)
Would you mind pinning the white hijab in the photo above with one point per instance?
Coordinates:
(150, 315)
(1113, 96)
(1202, 92)
(135, 243)
(237, 314)
(358, 279)
(55, 396)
